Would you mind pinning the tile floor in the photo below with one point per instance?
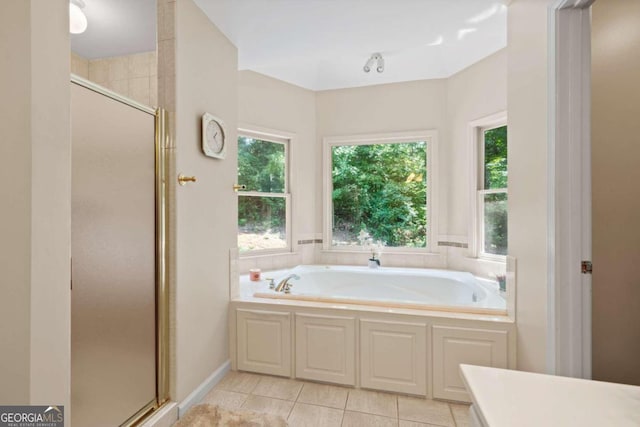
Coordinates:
(304, 403)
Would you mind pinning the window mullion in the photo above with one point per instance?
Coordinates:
(494, 191)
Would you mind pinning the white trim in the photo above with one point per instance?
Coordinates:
(569, 189)
(430, 136)
(453, 238)
(261, 194)
(111, 94)
(261, 131)
(497, 119)
(201, 391)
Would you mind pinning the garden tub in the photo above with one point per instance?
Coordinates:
(426, 289)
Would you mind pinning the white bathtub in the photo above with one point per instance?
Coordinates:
(390, 287)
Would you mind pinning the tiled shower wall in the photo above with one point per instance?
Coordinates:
(134, 76)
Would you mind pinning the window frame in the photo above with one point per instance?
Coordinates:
(277, 137)
(476, 185)
(430, 137)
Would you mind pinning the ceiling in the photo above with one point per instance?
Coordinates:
(324, 44)
(320, 44)
(116, 27)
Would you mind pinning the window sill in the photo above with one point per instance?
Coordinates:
(496, 260)
(265, 254)
(387, 251)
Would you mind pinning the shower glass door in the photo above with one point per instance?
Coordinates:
(113, 315)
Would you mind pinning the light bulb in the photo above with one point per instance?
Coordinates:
(77, 20)
(367, 66)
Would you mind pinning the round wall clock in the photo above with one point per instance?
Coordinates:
(214, 142)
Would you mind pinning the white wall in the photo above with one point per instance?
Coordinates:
(273, 104)
(385, 108)
(447, 105)
(206, 81)
(527, 106)
(475, 92)
(36, 211)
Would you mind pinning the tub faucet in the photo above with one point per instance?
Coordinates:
(284, 284)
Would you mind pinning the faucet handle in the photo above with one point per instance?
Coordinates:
(287, 288)
(271, 281)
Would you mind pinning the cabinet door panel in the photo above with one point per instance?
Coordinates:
(325, 348)
(453, 346)
(264, 342)
(393, 356)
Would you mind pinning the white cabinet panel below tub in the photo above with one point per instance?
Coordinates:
(393, 356)
(264, 342)
(326, 348)
(453, 346)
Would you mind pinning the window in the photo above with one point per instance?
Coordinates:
(263, 206)
(492, 191)
(379, 188)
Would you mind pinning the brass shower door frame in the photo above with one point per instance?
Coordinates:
(161, 233)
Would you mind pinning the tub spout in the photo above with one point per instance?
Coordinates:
(374, 263)
(284, 284)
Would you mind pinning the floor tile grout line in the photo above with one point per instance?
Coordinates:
(255, 385)
(398, 409)
(309, 404)
(246, 396)
(299, 393)
(274, 398)
(295, 402)
(288, 400)
(453, 418)
(371, 413)
(290, 412)
(344, 406)
(322, 406)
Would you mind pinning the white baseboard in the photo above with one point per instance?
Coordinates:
(165, 416)
(201, 391)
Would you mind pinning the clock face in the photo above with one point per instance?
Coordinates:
(213, 137)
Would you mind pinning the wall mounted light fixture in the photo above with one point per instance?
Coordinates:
(378, 60)
(77, 18)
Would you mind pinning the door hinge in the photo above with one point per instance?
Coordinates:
(587, 267)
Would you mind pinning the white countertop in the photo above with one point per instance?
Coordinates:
(505, 398)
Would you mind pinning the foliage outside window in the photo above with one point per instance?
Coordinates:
(380, 189)
(492, 194)
(263, 205)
